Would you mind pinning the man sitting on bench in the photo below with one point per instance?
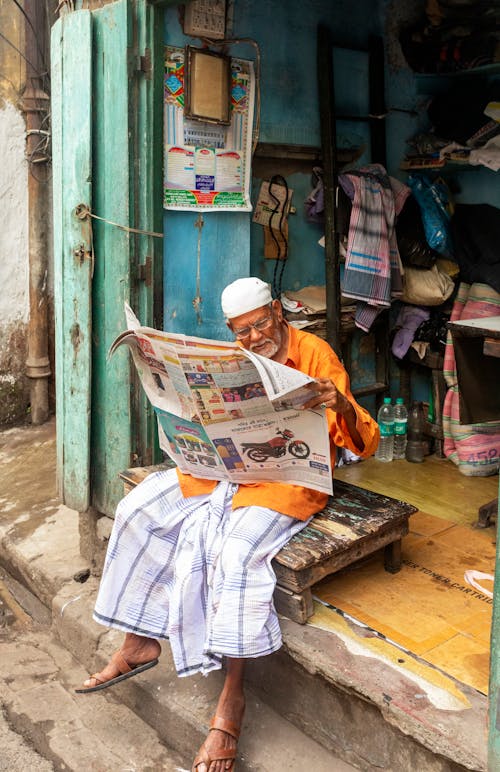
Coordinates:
(190, 559)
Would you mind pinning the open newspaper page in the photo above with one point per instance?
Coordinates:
(226, 414)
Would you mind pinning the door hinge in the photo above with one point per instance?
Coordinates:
(139, 64)
(146, 63)
(144, 271)
(148, 456)
(143, 63)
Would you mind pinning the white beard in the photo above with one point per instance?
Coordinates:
(268, 348)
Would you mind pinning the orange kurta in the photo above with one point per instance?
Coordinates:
(316, 358)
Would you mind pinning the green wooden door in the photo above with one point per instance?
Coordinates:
(104, 425)
(72, 174)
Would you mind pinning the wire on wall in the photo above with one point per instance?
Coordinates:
(197, 300)
(12, 45)
(83, 212)
(35, 33)
(280, 262)
(39, 97)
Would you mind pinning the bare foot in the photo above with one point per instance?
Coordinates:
(136, 650)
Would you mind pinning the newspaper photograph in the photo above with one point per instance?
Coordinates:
(225, 413)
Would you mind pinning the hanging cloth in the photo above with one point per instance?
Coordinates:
(373, 269)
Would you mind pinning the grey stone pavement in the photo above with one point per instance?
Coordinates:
(16, 751)
(46, 726)
(17, 754)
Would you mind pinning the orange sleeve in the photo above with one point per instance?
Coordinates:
(329, 366)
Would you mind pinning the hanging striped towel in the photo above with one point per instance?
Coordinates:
(373, 269)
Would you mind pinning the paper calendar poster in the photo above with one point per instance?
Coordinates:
(207, 166)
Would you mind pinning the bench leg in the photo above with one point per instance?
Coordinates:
(392, 556)
(296, 606)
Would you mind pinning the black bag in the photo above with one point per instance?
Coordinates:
(475, 230)
(412, 244)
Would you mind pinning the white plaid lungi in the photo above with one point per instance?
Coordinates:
(194, 571)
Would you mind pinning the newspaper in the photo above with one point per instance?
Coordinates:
(225, 413)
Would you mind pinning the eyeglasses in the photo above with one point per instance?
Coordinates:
(260, 325)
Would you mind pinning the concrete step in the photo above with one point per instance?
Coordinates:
(332, 688)
(179, 709)
(36, 684)
(345, 699)
(378, 707)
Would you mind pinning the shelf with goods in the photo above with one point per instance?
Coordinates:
(445, 167)
(430, 83)
(460, 125)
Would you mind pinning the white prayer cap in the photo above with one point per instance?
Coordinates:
(244, 295)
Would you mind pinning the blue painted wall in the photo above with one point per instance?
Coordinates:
(230, 245)
(306, 263)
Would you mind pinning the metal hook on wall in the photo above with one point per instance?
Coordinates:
(197, 300)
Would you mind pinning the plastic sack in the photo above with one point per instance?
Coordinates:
(434, 200)
(426, 288)
(410, 234)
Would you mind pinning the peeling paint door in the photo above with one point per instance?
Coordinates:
(72, 172)
(107, 141)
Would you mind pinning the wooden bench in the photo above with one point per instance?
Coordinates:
(355, 523)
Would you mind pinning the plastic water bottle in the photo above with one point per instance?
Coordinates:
(385, 419)
(400, 428)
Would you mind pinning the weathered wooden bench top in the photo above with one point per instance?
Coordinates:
(355, 523)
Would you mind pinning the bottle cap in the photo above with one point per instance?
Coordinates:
(387, 400)
(400, 401)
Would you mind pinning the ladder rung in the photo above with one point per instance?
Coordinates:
(370, 388)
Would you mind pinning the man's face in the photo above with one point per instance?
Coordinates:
(261, 330)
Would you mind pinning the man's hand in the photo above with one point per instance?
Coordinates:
(326, 394)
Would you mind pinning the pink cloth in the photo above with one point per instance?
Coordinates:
(474, 448)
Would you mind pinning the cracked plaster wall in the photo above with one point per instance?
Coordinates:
(14, 291)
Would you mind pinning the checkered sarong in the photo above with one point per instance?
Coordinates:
(194, 571)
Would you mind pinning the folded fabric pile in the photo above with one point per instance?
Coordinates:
(465, 129)
(306, 308)
(475, 230)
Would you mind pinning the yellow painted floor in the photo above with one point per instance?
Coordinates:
(427, 608)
